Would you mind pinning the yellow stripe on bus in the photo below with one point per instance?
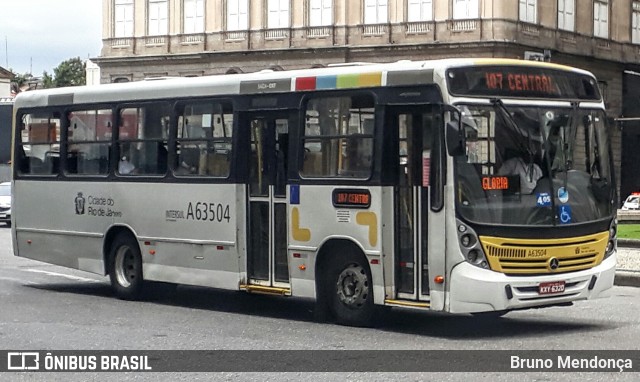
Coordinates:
(298, 233)
(508, 61)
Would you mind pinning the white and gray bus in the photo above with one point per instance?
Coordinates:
(462, 185)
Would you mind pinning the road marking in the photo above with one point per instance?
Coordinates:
(20, 281)
(75, 278)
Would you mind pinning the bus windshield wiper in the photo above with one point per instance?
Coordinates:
(506, 116)
(566, 139)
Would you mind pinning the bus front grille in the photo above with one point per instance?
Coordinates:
(502, 252)
(546, 256)
(543, 265)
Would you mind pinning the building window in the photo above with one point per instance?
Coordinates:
(375, 11)
(123, 18)
(528, 10)
(320, 12)
(237, 15)
(121, 80)
(566, 14)
(635, 23)
(277, 14)
(465, 9)
(158, 17)
(419, 10)
(193, 16)
(601, 18)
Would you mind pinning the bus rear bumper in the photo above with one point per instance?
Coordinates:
(478, 290)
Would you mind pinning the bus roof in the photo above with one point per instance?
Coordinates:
(341, 76)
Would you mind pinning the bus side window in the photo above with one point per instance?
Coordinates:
(282, 162)
(39, 151)
(143, 140)
(88, 142)
(204, 140)
(358, 157)
(338, 138)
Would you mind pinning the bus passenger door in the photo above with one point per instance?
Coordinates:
(267, 203)
(412, 127)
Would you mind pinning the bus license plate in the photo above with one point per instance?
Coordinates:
(551, 288)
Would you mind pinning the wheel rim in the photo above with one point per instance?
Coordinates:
(125, 266)
(352, 286)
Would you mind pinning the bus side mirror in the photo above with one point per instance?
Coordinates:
(455, 139)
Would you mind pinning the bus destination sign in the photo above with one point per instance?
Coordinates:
(506, 184)
(351, 198)
(514, 82)
(522, 82)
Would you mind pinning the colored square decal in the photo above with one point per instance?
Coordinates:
(294, 194)
(370, 80)
(306, 83)
(348, 81)
(326, 82)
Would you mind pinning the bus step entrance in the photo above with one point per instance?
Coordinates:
(259, 289)
(408, 304)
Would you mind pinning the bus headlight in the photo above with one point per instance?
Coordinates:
(470, 246)
(467, 240)
(472, 256)
(613, 239)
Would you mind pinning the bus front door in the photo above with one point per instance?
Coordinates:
(267, 204)
(412, 128)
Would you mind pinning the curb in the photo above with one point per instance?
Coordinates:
(629, 243)
(627, 278)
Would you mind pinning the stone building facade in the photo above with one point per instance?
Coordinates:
(150, 38)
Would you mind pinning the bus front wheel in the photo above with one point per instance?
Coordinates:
(350, 290)
(126, 268)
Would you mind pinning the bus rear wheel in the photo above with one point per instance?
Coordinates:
(126, 268)
(350, 290)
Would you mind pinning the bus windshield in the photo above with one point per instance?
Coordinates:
(528, 165)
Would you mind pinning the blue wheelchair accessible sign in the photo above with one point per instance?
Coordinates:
(564, 212)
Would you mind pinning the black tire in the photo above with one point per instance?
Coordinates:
(350, 290)
(125, 268)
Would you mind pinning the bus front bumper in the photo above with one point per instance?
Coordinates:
(478, 290)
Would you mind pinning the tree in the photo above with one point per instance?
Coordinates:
(20, 81)
(69, 73)
(47, 80)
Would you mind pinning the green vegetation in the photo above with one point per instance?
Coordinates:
(68, 73)
(629, 231)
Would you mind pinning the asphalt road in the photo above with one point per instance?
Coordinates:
(44, 307)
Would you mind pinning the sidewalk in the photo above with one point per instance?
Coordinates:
(628, 270)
